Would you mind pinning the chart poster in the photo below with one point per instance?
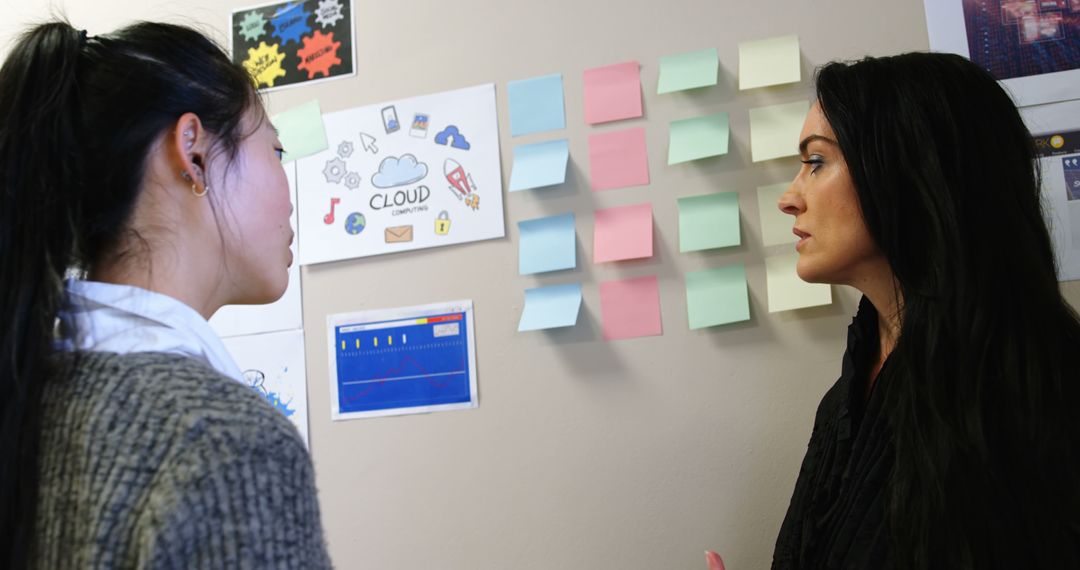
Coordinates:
(273, 366)
(1056, 129)
(1032, 46)
(285, 44)
(284, 314)
(403, 175)
(402, 361)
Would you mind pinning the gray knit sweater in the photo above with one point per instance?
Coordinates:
(151, 460)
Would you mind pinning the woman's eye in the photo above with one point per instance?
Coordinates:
(814, 162)
(280, 153)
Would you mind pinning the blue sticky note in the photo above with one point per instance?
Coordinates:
(547, 244)
(551, 307)
(538, 165)
(536, 105)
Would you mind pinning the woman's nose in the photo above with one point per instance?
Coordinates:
(791, 202)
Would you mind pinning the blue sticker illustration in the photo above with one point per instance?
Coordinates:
(394, 171)
(453, 136)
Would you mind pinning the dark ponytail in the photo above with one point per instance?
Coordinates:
(40, 171)
(78, 116)
(982, 386)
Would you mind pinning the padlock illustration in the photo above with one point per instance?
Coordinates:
(442, 223)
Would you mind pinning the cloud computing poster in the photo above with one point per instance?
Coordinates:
(402, 175)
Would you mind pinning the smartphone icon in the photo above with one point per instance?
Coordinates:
(420, 125)
(390, 120)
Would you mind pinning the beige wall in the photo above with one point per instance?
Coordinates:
(583, 454)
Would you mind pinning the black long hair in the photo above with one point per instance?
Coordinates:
(78, 117)
(984, 418)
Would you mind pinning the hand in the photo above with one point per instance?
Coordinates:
(714, 561)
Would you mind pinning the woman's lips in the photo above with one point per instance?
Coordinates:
(803, 236)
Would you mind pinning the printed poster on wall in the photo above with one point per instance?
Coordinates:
(273, 366)
(403, 175)
(1031, 46)
(407, 360)
(285, 44)
(1056, 129)
(284, 314)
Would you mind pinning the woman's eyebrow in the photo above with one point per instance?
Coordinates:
(806, 142)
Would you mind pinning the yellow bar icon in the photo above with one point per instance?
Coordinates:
(376, 339)
(342, 345)
(357, 343)
(390, 340)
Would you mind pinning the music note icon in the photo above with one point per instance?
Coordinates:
(329, 218)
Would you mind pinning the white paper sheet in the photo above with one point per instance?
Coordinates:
(273, 365)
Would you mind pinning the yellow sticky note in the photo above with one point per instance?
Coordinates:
(774, 130)
(787, 291)
(773, 61)
(776, 226)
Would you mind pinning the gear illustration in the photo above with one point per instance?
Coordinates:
(345, 149)
(328, 13)
(319, 54)
(334, 170)
(352, 181)
(252, 26)
(264, 64)
(291, 22)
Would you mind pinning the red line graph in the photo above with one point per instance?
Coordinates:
(397, 371)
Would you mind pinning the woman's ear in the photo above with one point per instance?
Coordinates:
(188, 145)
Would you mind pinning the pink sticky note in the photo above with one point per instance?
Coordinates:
(623, 233)
(713, 560)
(618, 159)
(630, 308)
(613, 92)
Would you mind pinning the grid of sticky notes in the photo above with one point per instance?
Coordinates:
(618, 158)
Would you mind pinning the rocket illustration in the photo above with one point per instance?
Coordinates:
(461, 183)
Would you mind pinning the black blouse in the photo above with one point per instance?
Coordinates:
(837, 514)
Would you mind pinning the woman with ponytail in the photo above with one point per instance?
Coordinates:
(142, 163)
(951, 439)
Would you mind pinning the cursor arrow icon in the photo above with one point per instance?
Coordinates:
(368, 143)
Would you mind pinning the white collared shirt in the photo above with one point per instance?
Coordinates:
(106, 317)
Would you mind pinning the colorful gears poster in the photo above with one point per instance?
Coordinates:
(290, 43)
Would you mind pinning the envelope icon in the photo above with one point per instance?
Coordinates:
(399, 234)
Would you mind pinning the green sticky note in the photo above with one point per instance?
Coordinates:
(776, 226)
(774, 130)
(787, 290)
(772, 61)
(709, 221)
(717, 296)
(301, 131)
(699, 137)
(688, 70)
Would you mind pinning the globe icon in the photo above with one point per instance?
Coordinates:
(355, 223)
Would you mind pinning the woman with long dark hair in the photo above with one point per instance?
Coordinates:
(143, 162)
(951, 439)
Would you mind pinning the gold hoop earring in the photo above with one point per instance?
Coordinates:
(196, 193)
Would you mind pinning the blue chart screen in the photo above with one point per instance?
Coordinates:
(403, 364)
